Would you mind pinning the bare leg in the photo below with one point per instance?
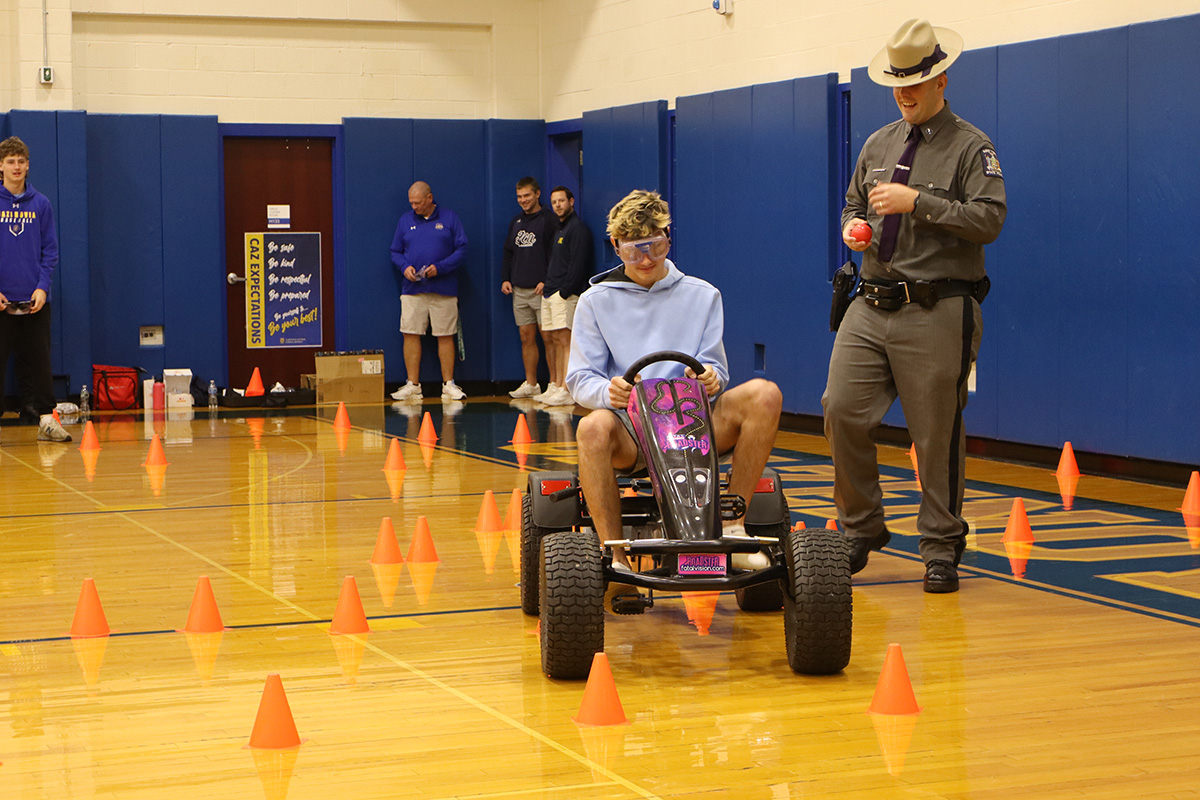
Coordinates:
(564, 353)
(529, 352)
(447, 346)
(604, 444)
(412, 357)
(551, 340)
(747, 418)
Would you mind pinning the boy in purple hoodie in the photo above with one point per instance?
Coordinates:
(28, 255)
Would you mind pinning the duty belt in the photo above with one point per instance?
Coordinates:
(891, 295)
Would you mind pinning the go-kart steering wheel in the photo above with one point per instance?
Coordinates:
(661, 355)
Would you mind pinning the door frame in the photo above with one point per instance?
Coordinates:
(338, 182)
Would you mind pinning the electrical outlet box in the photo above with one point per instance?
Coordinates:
(46, 75)
(721, 6)
(150, 336)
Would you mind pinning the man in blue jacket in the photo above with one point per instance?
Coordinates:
(428, 248)
(641, 307)
(571, 265)
(28, 255)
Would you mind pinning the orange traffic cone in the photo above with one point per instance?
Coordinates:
(387, 547)
(601, 705)
(90, 442)
(54, 413)
(395, 459)
(349, 616)
(156, 457)
(204, 617)
(255, 387)
(89, 615)
(912, 455)
(489, 515)
(421, 549)
(521, 432)
(274, 728)
(831, 524)
(512, 517)
(341, 420)
(427, 435)
(1191, 510)
(893, 692)
(1068, 476)
(800, 526)
(1018, 529)
(629, 492)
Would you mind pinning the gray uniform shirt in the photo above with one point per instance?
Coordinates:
(960, 209)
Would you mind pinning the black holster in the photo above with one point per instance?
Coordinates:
(844, 281)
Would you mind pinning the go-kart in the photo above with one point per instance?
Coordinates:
(671, 526)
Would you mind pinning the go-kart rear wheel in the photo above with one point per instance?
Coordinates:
(531, 553)
(572, 604)
(818, 605)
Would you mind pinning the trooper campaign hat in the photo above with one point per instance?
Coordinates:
(916, 52)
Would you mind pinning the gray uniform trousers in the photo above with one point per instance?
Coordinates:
(923, 356)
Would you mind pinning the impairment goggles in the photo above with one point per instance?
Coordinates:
(633, 252)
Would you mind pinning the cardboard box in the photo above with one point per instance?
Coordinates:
(350, 377)
(180, 400)
(308, 381)
(177, 381)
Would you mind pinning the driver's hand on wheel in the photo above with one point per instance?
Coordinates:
(710, 379)
(619, 391)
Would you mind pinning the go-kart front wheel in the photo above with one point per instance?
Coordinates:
(817, 605)
(571, 595)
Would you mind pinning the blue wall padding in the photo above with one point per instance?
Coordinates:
(192, 248)
(754, 180)
(624, 148)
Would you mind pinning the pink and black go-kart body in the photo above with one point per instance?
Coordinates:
(671, 523)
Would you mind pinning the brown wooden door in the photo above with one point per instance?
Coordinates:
(276, 171)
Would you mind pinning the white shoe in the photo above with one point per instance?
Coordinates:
(450, 391)
(50, 431)
(750, 561)
(560, 397)
(526, 389)
(409, 391)
(551, 388)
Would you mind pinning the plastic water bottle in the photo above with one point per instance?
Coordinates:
(85, 402)
(212, 395)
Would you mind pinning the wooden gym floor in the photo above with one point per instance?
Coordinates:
(1066, 669)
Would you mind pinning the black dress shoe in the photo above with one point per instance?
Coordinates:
(861, 547)
(941, 577)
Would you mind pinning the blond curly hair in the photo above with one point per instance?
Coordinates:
(639, 215)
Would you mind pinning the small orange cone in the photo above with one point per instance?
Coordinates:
(800, 526)
(387, 547)
(601, 705)
(489, 515)
(912, 455)
(156, 457)
(1191, 510)
(512, 516)
(831, 524)
(341, 420)
(349, 616)
(89, 615)
(395, 459)
(274, 728)
(90, 442)
(1068, 476)
(54, 413)
(421, 549)
(204, 617)
(427, 434)
(255, 387)
(629, 492)
(893, 692)
(1018, 529)
(521, 432)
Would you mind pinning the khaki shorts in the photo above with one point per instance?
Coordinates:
(558, 313)
(527, 305)
(420, 312)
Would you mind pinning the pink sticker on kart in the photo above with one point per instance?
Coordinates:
(702, 564)
(678, 409)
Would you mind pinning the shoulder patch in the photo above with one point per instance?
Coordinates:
(991, 163)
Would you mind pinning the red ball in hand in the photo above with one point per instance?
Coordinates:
(861, 233)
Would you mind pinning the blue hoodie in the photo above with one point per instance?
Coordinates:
(28, 243)
(617, 322)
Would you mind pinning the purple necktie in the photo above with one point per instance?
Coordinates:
(891, 223)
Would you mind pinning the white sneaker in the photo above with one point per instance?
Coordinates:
(526, 389)
(560, 397)
(551, 388)
(50, 431)
(409, 391)
(750, 561)
(450, 391)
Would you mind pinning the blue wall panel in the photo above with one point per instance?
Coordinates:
(193, 283)
(125, 237)
(73, 306)
(1161, 293)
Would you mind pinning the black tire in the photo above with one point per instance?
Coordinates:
(531, 553)
(572, 604)
(818, 606)
(765, 596)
